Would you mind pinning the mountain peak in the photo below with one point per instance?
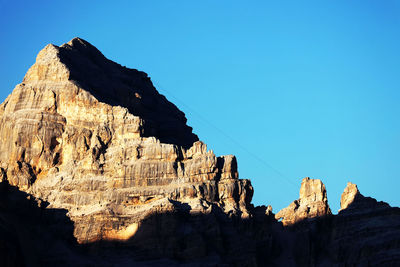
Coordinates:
(83, 47)
(93, 137)
(81, 64)
(58, 63)
(77, 41)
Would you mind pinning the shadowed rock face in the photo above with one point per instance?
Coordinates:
(98, 169)
(365, 232)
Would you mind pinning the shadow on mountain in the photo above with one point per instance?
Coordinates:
(33, 235)
(366, 233)
(181, 237)
(116, 85)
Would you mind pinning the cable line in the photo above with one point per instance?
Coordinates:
(235, 142)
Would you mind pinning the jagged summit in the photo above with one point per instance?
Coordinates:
(82, 45)
(353, 201)
(85, 66)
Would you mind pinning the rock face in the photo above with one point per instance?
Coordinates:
(95, 138)
(312, 203)
(98, 169)
(365, 232)
(348, 196)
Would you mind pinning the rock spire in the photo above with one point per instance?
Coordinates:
(313, 202)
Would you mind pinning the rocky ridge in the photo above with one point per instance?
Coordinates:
(110, 173)
(96, 138)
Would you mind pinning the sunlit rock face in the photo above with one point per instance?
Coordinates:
(97, 139)
(312, 203)
(348, 196)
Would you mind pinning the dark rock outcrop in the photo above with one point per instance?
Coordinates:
(365, 232)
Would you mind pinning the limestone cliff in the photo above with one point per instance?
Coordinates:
(98, 169)
(97, 139)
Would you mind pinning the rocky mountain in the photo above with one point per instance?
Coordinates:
(98, 168)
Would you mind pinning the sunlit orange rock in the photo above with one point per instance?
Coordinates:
(312, 203)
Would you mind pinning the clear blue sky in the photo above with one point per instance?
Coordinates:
(310, 87)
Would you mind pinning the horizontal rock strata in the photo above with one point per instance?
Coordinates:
(96, 138)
